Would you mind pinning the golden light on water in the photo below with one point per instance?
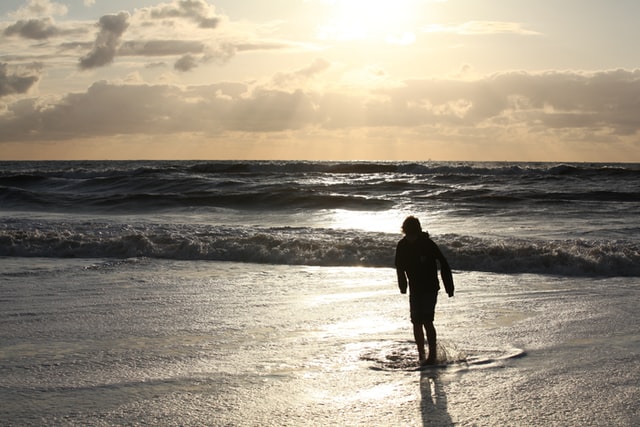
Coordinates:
(384, 222)
(360, 326)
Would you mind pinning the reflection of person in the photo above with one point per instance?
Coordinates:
(417, 257)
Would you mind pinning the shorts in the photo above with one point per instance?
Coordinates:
(423, 307)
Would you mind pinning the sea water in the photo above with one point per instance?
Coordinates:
(263, 293)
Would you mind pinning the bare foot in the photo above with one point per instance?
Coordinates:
(427, 362)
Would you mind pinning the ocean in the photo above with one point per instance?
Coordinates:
(246, 293)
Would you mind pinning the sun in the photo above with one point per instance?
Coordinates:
(370, 20)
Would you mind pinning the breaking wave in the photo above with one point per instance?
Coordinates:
(312, 246)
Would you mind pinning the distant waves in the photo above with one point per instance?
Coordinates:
(141, 187)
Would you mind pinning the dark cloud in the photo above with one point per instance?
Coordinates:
(11, 84)
(213, 52)
(112, 27)
(37, 29)
(592, 105)
(198, 11)
(209, 22)
(224, 51)
(161, 48)
(273, 110)
(607, 99)
(109, 43)
(107, 109)
(263, 45)
(186, 63)
(102, 110)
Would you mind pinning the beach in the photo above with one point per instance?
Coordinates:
(209, 343)
(155, 308)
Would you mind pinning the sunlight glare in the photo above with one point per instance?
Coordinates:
(384, 222)
(372, 20)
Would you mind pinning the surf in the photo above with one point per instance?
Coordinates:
(308, 246)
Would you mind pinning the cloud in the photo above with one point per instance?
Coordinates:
(481, 28)
(605, 101)
(585, 105)
(318, 66)
(11, 84)
(220, 52)
(166, 30)
(186, 63)
(199, 11)
(302, 75)
(112, 27)
(37, 29)
(197, 49)
(38, 8)
(160, 47)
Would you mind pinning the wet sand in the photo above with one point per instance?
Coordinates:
(210, 343)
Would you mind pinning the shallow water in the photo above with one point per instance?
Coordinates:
(145, 341)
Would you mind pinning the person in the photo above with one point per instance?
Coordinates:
(416, 260)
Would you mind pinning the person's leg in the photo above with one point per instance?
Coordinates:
(419, 337)
(431, 339)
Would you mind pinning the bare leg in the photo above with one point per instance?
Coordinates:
(418, 334)
(431, 339)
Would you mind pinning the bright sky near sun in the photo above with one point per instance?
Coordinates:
(320, 79)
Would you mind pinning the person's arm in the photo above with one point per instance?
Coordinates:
(402, 277)
(447, 277)
(402, 281)
(445, 272)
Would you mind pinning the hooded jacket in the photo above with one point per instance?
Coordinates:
(417, 260)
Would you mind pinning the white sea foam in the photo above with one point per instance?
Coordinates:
(310, 246)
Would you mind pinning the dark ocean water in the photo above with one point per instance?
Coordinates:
(569, 219)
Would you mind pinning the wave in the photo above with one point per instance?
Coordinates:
(311, 246)
(147, 186)
(148, 201)
(92, 169)
(421, 168)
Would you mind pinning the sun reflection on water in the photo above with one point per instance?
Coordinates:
(384, 222)
(359, 326)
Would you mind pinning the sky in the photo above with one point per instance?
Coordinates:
(467, 80)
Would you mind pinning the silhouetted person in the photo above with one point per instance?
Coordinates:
(417, 257)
